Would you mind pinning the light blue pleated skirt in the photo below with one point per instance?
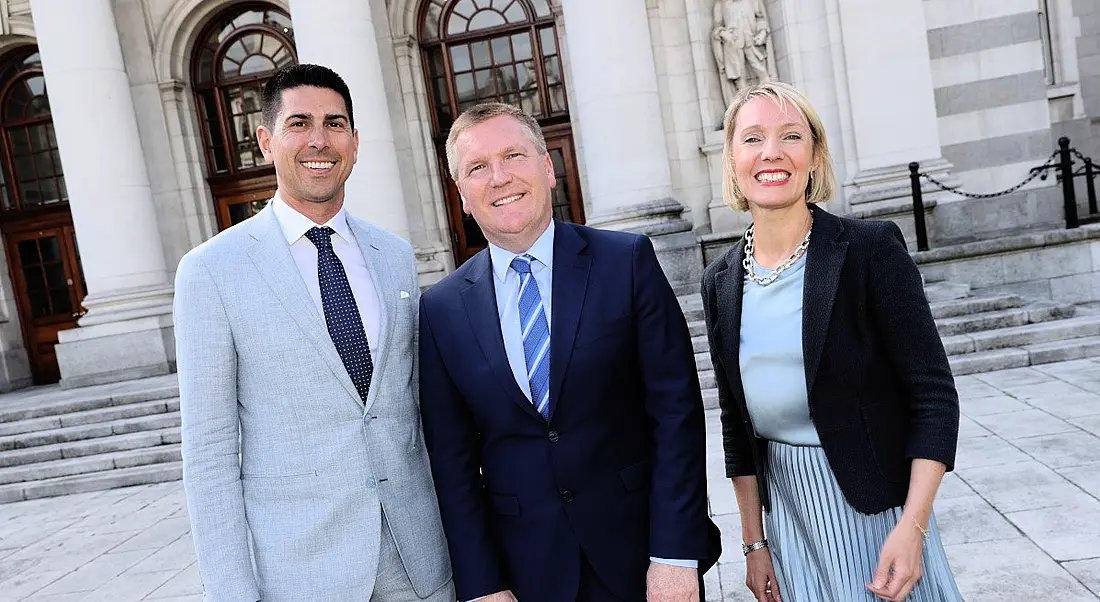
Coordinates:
(824, 550)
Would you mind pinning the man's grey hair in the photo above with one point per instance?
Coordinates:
(484, 112)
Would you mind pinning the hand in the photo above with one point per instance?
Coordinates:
(670, 583)
(900, 563)
(761, 38)
(504, 596)
(760, 576)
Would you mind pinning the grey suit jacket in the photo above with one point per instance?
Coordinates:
(285, 468)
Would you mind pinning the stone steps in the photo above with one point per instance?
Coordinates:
(98, 481)
(58, 442)
(1028, 355)
(1033, 313)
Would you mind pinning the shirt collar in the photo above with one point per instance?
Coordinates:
(295, 225)
(542, 249)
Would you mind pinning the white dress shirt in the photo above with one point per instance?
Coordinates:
(294, 226)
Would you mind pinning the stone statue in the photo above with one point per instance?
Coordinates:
(741, 41)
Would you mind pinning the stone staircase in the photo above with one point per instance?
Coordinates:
(91, 442)
(980, 333)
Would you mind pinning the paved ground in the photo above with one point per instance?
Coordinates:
(1020, 517)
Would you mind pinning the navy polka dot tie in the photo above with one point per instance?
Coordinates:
(345, 326)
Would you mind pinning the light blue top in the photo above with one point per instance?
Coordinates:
(773, 372)
(506, 281)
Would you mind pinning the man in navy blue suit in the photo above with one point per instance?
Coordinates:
(560, 402)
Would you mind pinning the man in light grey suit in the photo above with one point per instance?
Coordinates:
(303, 456)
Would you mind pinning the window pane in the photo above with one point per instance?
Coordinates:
(252, 43)
(515, 13)
(502, 50)
(480, 50)
(465, 8)
(464, 87)
(549, 43)
(456, 25)
(28, 253)
(256, 64)
(542, 8)
(237, 52)
(39, 137)
(430, 30)
(48, 189)
(526, 76)
(521, 43)
(270, 46)
(435, 62)
(252, 17)
(62, 304)
(51, 249)
(238, 212)
(484, 81)
(506, 79)
(55, 275)
(486, 19)
(460, 58)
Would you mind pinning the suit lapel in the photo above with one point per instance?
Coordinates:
(479, 299)
(271, 255)
(570, 282)
(824, 260)
(385, 285)
(729, 285)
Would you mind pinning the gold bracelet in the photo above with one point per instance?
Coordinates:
(923, 531)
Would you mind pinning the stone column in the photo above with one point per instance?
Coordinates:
(127, 330)
(340, 34)
(892, 105)
(617, 112)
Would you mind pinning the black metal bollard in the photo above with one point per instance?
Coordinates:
(918, 206)
(1069, 197)
(1090, 186)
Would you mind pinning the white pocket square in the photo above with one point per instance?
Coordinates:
(404, 294)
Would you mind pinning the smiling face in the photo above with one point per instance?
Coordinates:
(312, 145)
(773, 153)
(505, 182)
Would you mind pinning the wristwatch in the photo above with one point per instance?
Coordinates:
(752, 547)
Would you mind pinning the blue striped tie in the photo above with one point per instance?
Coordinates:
(536, 335)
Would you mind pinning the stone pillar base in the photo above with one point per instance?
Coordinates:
(662, 221)
(116, 351)
(15, 370)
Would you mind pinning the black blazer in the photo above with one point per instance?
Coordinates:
(880, 388)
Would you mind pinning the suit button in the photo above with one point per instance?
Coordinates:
(554, 437)
(567, 496)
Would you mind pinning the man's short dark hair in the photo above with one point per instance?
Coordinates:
(294, 76)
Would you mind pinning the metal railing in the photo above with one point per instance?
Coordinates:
(1060, 161)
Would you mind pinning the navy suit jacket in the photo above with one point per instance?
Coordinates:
(616, 473)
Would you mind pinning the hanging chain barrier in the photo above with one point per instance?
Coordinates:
(1061, 161)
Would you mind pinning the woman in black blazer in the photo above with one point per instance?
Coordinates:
(839, 411)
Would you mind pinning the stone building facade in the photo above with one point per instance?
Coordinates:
(127, 129)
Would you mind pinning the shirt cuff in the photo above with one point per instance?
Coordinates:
(691, 564)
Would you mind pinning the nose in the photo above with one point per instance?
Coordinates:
(499, 176)
(318, 137)
(771, 149)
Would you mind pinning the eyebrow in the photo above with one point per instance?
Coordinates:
(309, 116)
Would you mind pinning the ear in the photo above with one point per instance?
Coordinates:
(355, 145)
(550, 171)
(263, 137)
(465, 205)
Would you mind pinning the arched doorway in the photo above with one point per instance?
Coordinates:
(497, 50)
(236, 54)
(43, 260)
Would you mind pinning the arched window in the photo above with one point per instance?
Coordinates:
(39, 239)
(33, 177)
(498, 50)
(235, 56)
(503, 50)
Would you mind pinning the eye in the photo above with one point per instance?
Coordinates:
(514, 155)
(297, 124)
(753, 139)
(793, 136)
(476, 167)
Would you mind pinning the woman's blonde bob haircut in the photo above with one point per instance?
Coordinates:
(822, 182)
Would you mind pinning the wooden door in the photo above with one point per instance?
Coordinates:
(239, 199)
(49, 287)
(466, 236)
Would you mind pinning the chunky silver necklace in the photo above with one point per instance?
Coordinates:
(799, 251)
